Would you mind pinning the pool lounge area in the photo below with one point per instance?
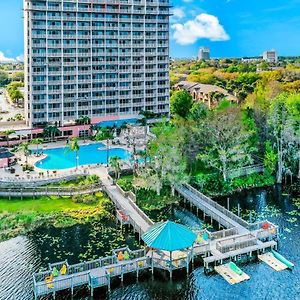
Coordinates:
(60, 158)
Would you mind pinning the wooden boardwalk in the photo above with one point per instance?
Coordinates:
(237, 239)
(20, 192)
(211, 208)
(136, 217)
(96, 273)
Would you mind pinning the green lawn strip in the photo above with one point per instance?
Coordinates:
(18, 216)
(43, 204)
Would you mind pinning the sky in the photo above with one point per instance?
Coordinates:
(231, 28)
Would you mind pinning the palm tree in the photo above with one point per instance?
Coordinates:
(51, 131)
(85, 120)
(74, 147)
(115, 163)
(102, 134)
(24, 147)
(37, 142)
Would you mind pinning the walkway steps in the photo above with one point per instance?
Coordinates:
(272, 261)
(230, 276)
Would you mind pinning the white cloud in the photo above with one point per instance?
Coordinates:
(203, 26)
(20, 58)
(177, 14)
(5, 59)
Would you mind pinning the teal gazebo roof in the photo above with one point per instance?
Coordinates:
(169, 236)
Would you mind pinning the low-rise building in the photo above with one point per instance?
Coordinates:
(209, 94)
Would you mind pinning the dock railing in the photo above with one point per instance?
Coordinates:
(222, 233)
(217, 206)
(226, 212)
(236, 245)
(48, 190)
(244, 171)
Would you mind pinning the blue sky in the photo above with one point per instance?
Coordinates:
(231, 28)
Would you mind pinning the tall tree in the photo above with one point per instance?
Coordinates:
(115, 164)
(284, 130)
(51, 131)
(84, 120)
(166, 163)
(181, 103)
(24, 147)
(74, 147)
(225, 142)
(37, 142)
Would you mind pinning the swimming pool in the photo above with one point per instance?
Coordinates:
(60, 158)
(117, 123)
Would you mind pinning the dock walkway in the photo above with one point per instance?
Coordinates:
(137, 218)
(211, 208)
(94, 274)
(237, 239)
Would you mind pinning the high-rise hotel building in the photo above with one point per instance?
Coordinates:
(96, 58)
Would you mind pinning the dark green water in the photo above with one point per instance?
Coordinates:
(20, 256)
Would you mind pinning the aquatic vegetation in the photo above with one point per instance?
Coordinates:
(296, 202)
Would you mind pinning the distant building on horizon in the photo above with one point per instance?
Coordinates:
(204, 53)
(270, 56)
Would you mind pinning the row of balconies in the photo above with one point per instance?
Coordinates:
(101, 54)
(97, 46)
(103, 36)
(100, 80)
(155, 2)
(102, 27)
(88, 90)
(103, 63)
(107, 18)
(131, 9)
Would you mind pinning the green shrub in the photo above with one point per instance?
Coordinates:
(125, 184)
(86, 199)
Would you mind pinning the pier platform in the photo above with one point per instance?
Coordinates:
(272, 261)
(229, 275)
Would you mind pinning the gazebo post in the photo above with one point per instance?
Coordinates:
(170, 266)
(152, 264)
(193, 255)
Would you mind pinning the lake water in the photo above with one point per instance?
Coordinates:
(20, 256)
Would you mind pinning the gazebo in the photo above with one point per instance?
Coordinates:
(172, 238)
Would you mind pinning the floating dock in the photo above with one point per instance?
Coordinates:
(272, 261)
(229, 275)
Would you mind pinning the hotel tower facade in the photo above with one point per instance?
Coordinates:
(96, 58)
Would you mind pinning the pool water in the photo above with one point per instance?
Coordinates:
(62, 158)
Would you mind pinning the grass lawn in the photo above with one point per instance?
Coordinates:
(42, 204)
(18, 216)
